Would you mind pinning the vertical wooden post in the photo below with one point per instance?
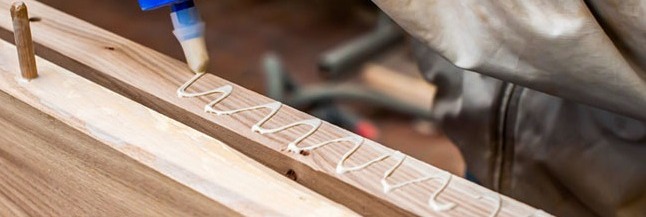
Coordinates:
(24, 43)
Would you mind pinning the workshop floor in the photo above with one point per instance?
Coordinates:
(240, 32)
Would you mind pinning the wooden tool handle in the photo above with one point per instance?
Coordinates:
(24, 44)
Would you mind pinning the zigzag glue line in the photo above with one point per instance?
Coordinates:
(496, 198)
(432, 201)
(340, 168)
(274, 107)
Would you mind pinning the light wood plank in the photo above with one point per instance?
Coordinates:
(48, 168)
(152, 78)
(226, 177)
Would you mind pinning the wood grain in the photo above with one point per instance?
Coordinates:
(151, 78)
(95, 178)
(49, 169)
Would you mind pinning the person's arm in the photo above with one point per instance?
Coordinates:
(557, 47)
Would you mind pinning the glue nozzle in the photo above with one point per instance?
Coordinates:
(189, 30)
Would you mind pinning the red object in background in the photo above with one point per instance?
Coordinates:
(367, 129)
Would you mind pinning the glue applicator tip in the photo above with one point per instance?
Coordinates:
(197, 56)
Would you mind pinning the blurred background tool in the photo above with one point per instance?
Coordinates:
(347, 56)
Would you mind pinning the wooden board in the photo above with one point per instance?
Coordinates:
(152, 79)
(75, 174)
(48, 168)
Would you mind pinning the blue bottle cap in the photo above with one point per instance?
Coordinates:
(154, 4)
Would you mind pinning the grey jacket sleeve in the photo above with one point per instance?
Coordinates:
(566, 158)
(592, 52)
